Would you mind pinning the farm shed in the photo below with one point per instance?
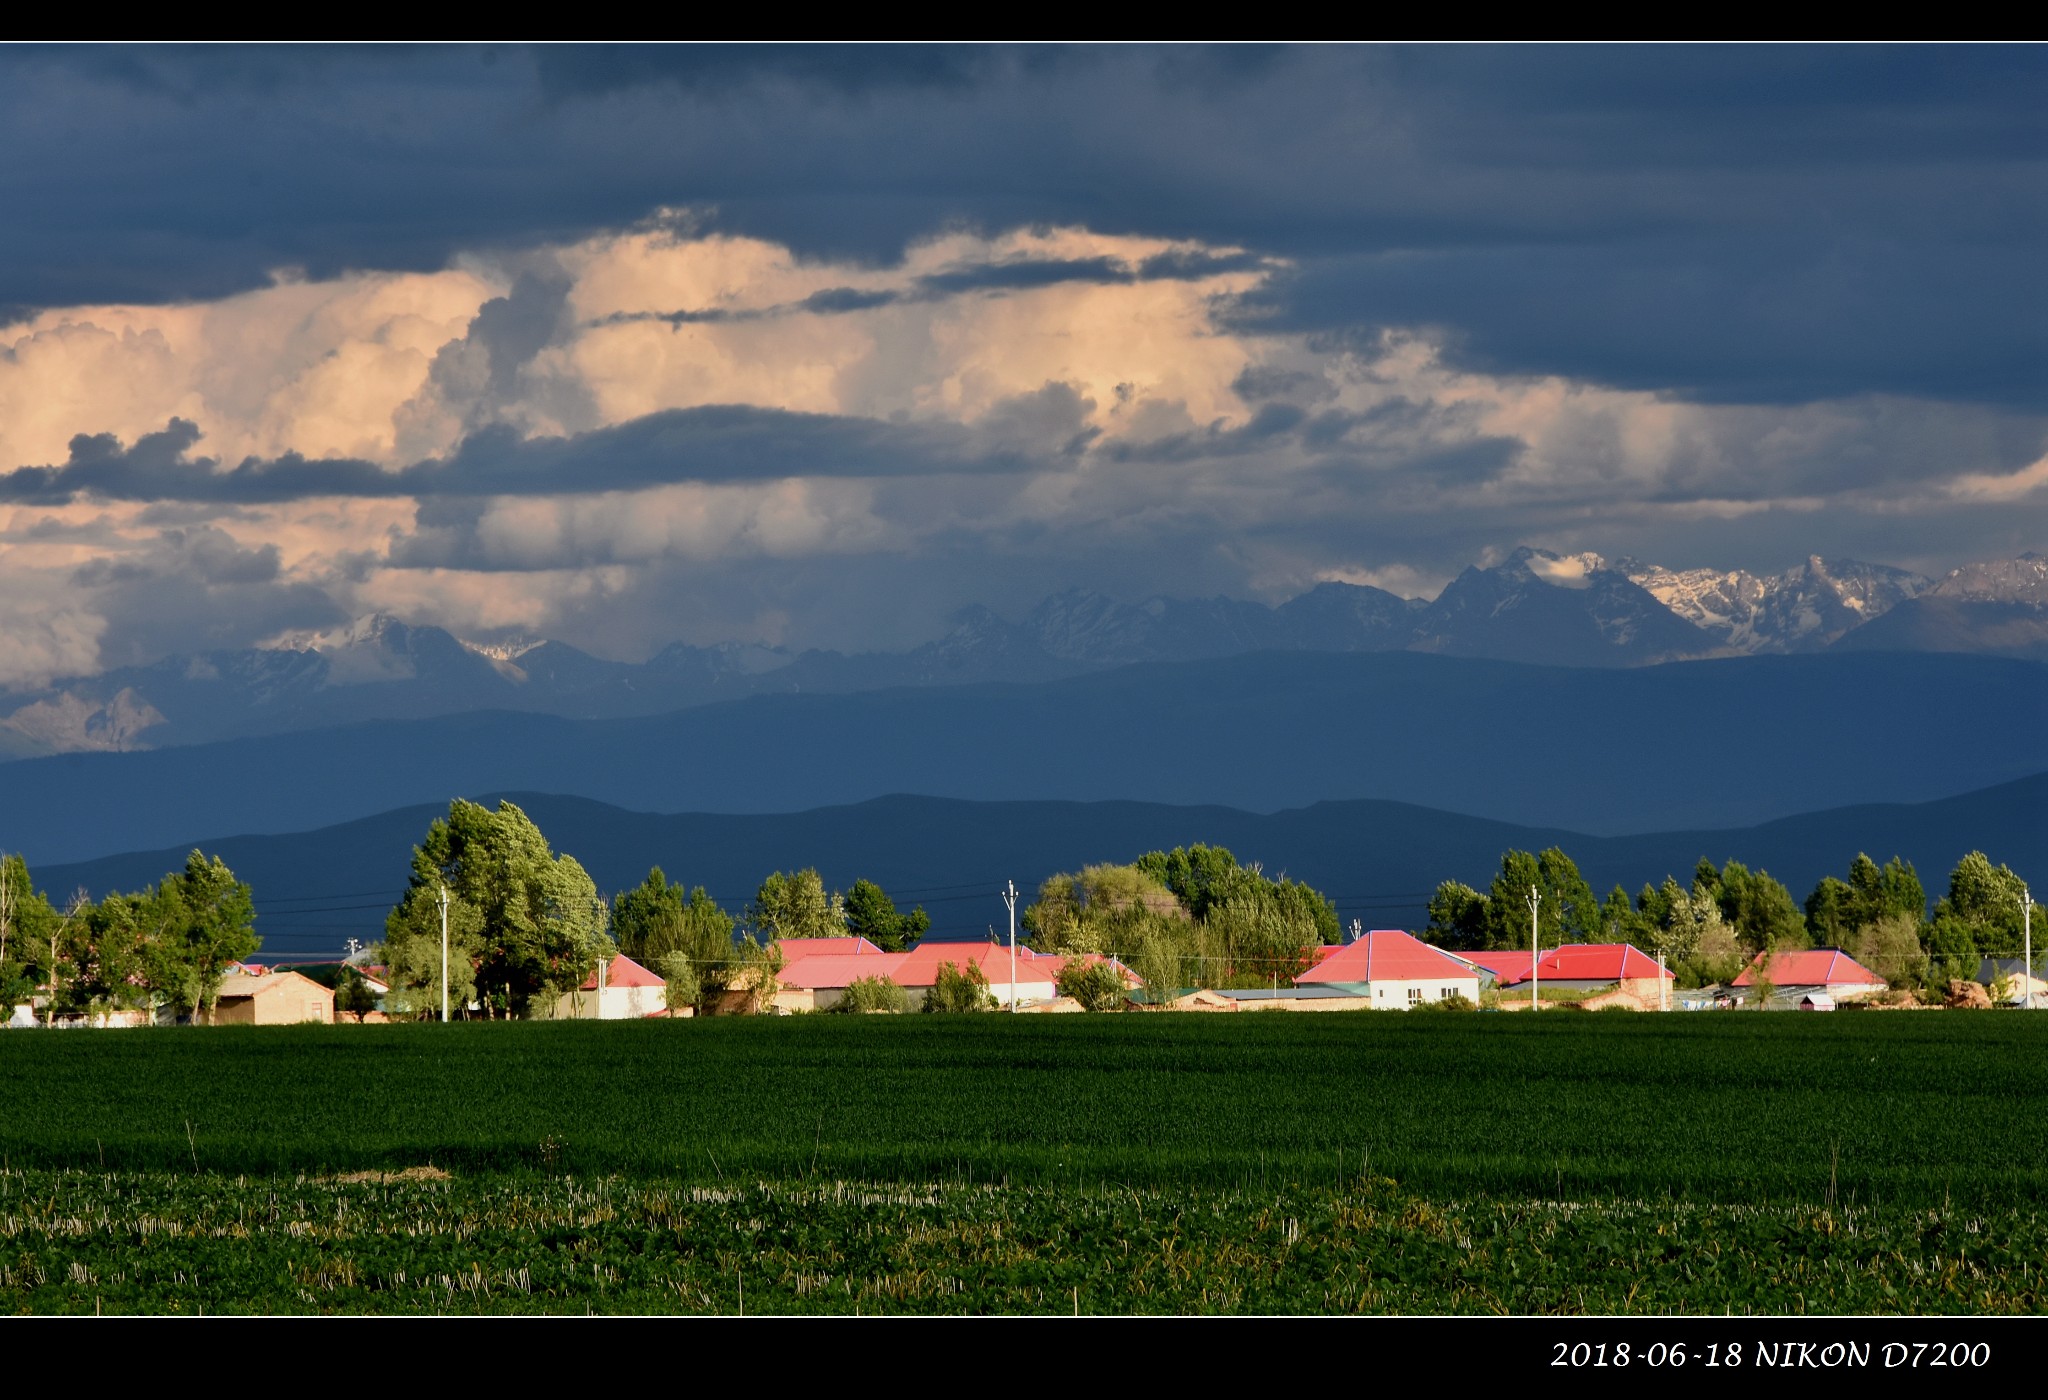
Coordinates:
(619, 990)
(1312, 997)
(2013, 970)
(1816, 1001)
(1393, 970)
(271, 999)
(1828, 970)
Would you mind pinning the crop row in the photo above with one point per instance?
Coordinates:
(159, 1243)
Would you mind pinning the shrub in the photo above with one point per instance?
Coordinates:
(958, 989)
(868, 995)
(1456, 1001)
(1097, 986)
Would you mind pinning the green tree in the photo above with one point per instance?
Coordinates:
(870, 995)
(1203, 878)
(525, 926)
(1952, 949)
(957, 988)
(1567, 911)
(1458, 917)
(219, 925)
(352, 993)
(1108, 909)
(1890, 947)
(1098, 986)
(1984, 900)
(1831, 913)
(1759, 909)
(682, 980)
(1161, 966)
(687, 940)
(647, 918)
(1262, 941)
(795, 906)
(872, 915)
(26, 922)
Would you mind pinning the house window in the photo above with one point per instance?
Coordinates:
(1446, 993)
(1415, 996)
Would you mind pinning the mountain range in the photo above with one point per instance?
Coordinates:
(1377, 860)
(1726, 742)
(1534, 606)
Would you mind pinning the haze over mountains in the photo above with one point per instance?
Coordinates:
(1535, 606)
(1377, 860)
(1724, 742)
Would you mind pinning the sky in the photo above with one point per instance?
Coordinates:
(816, 346)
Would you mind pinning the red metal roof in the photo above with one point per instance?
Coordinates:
(1384, 955)
(794, 948)
(829, 971)
(1597, 962)
(1820, 967)
(1507, 966)
(623, 972)
(921, 964)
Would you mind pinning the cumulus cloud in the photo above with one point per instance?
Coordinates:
(668, 432)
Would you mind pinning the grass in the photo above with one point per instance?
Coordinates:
(1905, 1110)
(1375, 1163)
(162, 1243)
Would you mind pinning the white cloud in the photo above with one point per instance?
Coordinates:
(1162, 432)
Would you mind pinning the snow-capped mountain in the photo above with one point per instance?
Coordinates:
(1534, 606)
(1803, 609)
(1559, 610)
(1997, 608)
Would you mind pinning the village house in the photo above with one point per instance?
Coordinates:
(818, 981)
(1828, 972)
(255, 996)
(1393, 970)
(619, 990)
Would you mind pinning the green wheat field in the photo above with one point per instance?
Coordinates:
(1108, 1164)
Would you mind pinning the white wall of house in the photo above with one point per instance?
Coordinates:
(1391, 995)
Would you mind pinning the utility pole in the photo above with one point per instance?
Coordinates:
(444, 954)
(1535, 953)
(2027, 950)
(6, 915)
(1010, 899)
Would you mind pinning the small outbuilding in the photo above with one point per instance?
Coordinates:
(619, 990)
(2014, 973)
(271, 998)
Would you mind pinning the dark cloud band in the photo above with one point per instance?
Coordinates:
(721, 443)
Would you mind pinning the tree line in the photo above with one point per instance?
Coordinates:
(1709, 930)
(167, 946)
(526, 925)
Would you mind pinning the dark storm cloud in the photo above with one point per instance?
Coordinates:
(1743, 224)
(195, 589)
(721, 443)
(1012, 275)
